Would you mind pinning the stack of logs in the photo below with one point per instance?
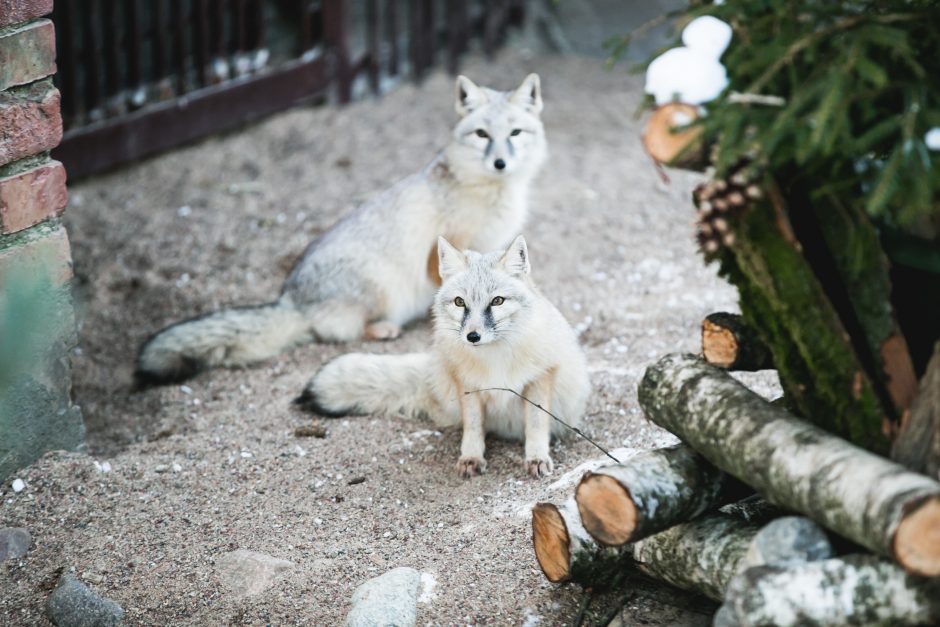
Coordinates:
(780, 520)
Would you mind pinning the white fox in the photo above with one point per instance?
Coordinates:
(475, 192)
(492, 329)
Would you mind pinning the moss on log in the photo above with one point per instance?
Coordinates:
(653, 491)
(781, 297)
(796, 465)
(854, 271)
(850, 590)
(729, 343)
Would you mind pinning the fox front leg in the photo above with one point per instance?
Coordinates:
(538, 427)
(472, 446)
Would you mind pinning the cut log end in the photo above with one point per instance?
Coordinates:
(917, 540)
(665, 145)
(718, 344)
(551, 542)
(607, 509)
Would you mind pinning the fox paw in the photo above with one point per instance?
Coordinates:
(538, 467)
(470, 466)
(382, 330)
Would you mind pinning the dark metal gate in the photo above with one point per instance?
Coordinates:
(140, 76)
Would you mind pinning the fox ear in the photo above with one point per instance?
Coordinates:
(450, 261)
(529, 94)
(516, 258)
(469, 96)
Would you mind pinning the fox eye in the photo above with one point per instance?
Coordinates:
(459, 302)
(515, 131)
(482, 133)
(499, 300)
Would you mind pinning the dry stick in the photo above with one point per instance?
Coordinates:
(560, 421)
(650, 493)
(796, 465)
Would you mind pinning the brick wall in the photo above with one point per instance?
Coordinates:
(37, 328)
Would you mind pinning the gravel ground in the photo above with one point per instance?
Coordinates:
(197, 471)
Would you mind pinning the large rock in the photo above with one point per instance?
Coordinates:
(73, 604)
(14, 542)
(389, 600)
(247, 573)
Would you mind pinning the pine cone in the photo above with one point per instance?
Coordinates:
(721, 202)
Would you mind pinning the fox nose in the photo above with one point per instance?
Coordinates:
(499, 164)
(473, 337)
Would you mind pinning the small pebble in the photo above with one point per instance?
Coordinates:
(14, 543)
(73, 603)
(18, 485)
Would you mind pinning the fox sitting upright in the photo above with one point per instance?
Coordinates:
(475, 192)
(492, 329)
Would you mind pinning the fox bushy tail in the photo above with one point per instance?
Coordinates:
(360, 383)
(231, 337)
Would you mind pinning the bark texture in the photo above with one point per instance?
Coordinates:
(703, 555)
(851, 590)
(797, 465)
(918, 445)
(729, 343)
(566, 552)
(651, 492)
(782, 297)
(844, 249)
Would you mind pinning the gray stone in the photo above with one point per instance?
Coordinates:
(389, 600)
(14, 542)
(247, 573)
(73, 604)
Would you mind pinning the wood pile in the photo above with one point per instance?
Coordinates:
(748, 509)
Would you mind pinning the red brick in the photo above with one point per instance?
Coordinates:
(31, 197)
(30, 121)
(49, 249)
(27, 54)
(13, 11)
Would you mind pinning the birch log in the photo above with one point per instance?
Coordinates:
(851, 590)
(702, 555)
(651, 492)
(566, 552)
(796, 465)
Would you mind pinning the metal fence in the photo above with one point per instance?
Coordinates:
(138, 77)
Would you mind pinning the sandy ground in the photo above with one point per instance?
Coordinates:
(207, 468)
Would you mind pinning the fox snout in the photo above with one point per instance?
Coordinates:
(499, 164)
(473, 337)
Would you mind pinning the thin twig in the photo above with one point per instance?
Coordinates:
(761, 99)
(585, 601)
(562, 422)
(618, 607)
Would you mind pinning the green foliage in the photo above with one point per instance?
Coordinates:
(861, 83)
